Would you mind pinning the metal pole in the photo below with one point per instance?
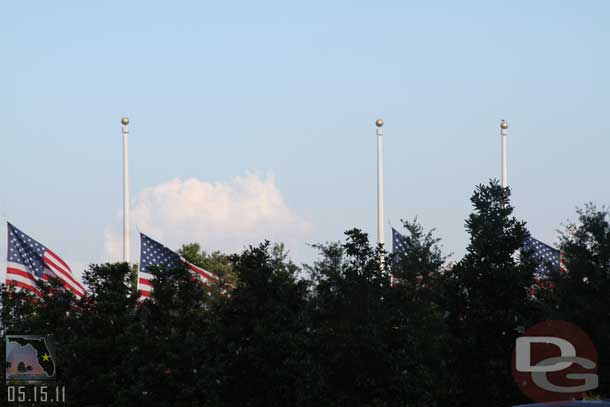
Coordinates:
(126, 241)
(503, 132)
(380, 216)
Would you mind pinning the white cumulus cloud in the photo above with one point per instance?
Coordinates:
(224, 216)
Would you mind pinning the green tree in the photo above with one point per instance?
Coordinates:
(369, 339)
(260, 333)
(216, 262)
(582, 295)
(171, 356)
(417, 267)
(16, 309)
(418, 263)
(102, 338)
(487, 301)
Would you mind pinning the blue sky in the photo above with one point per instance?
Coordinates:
(218, 90)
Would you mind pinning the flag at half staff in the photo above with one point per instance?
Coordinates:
(399, 242)
(545, 255)
(154, 254)
(28, 261)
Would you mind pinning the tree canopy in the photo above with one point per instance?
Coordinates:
(357, 327)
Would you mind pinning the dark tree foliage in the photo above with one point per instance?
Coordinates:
(582, 294)
(220, 264)
(364, 328)
(352, 325)
(169, 343)
(418, 270)
(487, 300)
(418, 266)
(369, 342)
(93, 334)
(104, 339)
(260, 333)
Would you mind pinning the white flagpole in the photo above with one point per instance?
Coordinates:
(380, 216)
(126, 234)
(503, 132)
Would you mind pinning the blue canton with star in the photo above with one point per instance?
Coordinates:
(398, 242)
(154, 254)
(24, 250)
(544, 254)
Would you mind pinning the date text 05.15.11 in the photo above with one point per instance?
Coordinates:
(36, 394)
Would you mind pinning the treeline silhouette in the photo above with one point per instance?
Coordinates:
(337, 332)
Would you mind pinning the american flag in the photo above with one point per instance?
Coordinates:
(154, 254)
(545, 255)
(28, 261)
(399, 242)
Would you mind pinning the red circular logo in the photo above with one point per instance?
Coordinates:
(555, 361)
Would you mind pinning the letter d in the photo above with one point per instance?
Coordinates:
(523, 353)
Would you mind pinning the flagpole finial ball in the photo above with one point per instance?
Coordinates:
(379, 122)
(503, 125)
(125, 121)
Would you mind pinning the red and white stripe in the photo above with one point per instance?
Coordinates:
(18, 275)
(58, 268)
(145, 280)
(200, 274)
(145, 285)
(563, 268)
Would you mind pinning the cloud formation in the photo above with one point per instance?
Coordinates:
(224, 216)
